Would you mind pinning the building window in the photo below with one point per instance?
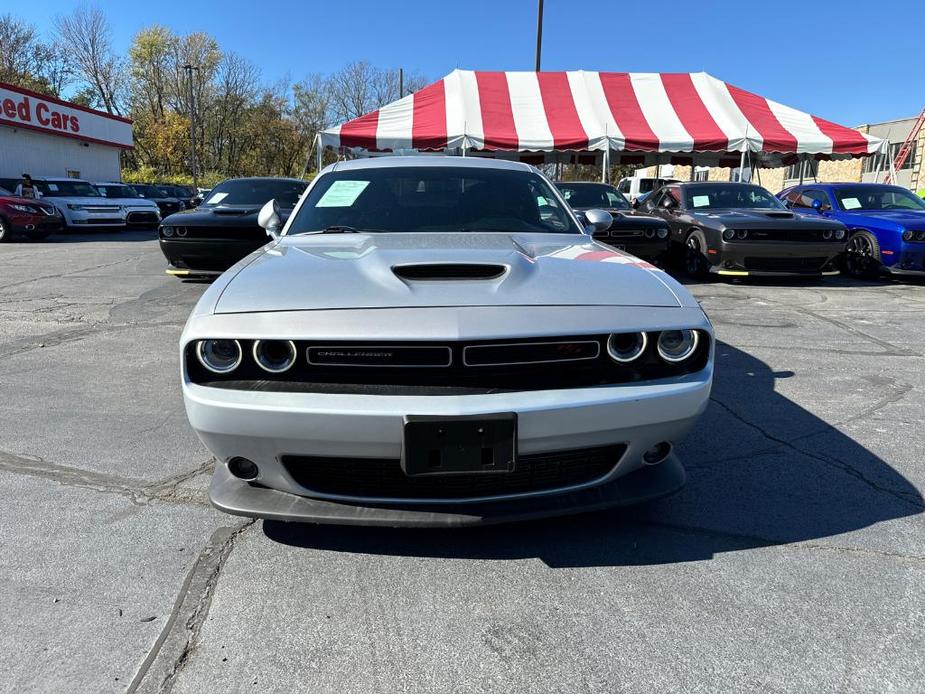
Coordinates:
(881, 162)
(71, 173)
(701, 173)
(810, 167)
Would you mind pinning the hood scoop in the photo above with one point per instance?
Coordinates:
(779, 215)
(237, 211)
(423, 272)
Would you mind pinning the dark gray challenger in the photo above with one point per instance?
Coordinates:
(642, 235)
(740, 229)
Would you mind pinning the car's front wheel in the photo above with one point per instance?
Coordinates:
(4, 232)
(695, 262)
(862, 255)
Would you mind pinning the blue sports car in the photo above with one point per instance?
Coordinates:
(886, 224)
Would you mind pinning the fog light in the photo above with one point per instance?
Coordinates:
(657, 453)
(243, 469)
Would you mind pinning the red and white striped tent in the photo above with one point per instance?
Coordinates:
(635, 117)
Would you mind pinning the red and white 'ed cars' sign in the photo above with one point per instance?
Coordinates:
(27, 109)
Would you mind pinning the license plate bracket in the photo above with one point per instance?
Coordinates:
(469, 444)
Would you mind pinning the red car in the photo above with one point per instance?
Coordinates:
(33, 219)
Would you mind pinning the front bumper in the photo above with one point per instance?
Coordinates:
(266, 426)
(206, 256)
(647, 249)
(34, 225)
(910, 260)
(236, 497)
(775, 259)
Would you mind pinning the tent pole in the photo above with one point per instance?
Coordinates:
(605, 169)
(319, 152)
(741, 165)
(802, 166)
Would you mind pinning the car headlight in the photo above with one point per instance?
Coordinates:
(167, 231)
(624, 348)
(742, 234)
(274, 356)
(650, 233)
(74, 207)
(219, 356)
(25, 208)
(908, 234)
(663, 233)
(839, 234)
(729, 234)
(920, 235)
(677, 345)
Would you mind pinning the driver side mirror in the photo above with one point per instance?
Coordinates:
(598, 220)
(820, 206)
(269, 219)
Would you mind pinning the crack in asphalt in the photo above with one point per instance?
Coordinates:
(845, 467)
(59, 275)
(177, 640)
(137, 491)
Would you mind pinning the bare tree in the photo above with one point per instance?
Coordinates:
(87, 33)
(27, 61)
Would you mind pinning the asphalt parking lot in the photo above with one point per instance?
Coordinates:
(794, 559)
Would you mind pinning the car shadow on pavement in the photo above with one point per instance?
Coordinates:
(762, 471)
(104, 235)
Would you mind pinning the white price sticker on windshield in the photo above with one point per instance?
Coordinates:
(851, 203)
(217, 198)
(701, 201)
(342, 194)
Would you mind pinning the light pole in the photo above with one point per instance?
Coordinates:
(539, 33)
(192, 122)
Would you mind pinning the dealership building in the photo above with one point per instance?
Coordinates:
(44, 136)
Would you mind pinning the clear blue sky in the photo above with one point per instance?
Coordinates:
(837, 60)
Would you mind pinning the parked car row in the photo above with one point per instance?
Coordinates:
(76, 204)
(741, 229)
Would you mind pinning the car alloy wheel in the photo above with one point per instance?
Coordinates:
(693, 257)
(3, 232)
(859, 256)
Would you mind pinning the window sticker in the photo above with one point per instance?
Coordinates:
(701, 201)
(53, 187)
(851, 203)
(217, 198)
(342, 194)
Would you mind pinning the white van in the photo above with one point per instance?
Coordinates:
(632, 188)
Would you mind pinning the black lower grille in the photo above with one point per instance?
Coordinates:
(785, 264)
(142, 218)
(384, 478)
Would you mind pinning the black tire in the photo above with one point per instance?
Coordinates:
(4, 231)
(696, 265)
(862, 255)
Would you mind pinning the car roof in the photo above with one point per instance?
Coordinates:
(582, 183)
(712, 184)
(62, 179)
(436, 161)
(247, 178)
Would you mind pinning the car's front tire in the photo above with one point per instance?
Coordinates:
(4, 231)
(862, 256)
(696, 265)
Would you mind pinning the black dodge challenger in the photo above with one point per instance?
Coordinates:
(209, 239)
(644, 236)
(740, 229)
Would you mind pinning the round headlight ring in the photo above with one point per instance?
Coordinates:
(920, 235)
(219, 356)
(839, 234)
(662, 233)
(167, 231)
(742, 234)
(650, 233)
(275, 363)
(729, 234)
(687, 339)
(626, 353)
(827, 234)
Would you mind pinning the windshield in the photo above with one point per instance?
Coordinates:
(877, 198)
(433, 199)
(66, 189)
(116, 191)
(146, 191)
(587, 195)
(4, 191)
(724, 197)
(256, 192)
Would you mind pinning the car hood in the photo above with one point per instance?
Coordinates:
(16, 200)
(763, 219)
(348, 271)
(78, 200)
(133, 202)
(220, 216)
(909, 219)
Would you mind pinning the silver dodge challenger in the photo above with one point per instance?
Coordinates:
(437, 341)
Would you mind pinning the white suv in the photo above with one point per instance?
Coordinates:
(140, 213)
(633, 187)
(80, 203)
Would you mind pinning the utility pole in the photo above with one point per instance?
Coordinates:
(539, 33)
(192, 122)
(401, 82)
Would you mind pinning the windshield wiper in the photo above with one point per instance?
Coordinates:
(339, 229)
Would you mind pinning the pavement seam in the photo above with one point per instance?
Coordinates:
(137, 491)
(177, 639)
(847, 468)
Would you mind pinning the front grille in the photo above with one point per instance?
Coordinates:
(454, 368)
(790, 235)
(142, 218)
(384, 478)
(809, 265)
(104, 220)
(101, 209)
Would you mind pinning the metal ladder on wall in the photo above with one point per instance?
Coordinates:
(907, 146)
